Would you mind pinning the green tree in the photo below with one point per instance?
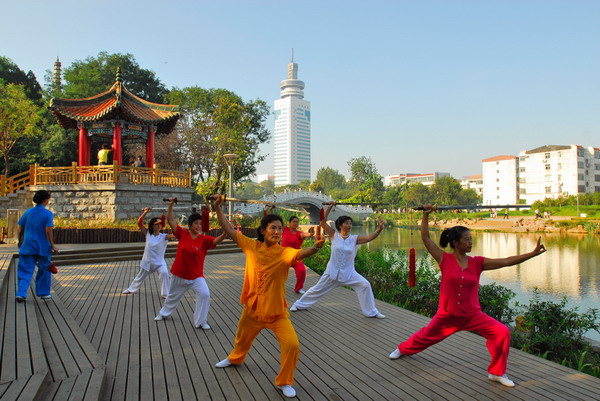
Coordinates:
(417, 194)
(395, 195)
(327, 180)
(10, 73)
(365, 178)
(18, 118)
(216, 122)
(94, 75)
(445, 191)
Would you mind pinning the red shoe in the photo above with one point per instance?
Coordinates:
(52, 269)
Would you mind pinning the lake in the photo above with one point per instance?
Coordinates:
(570, 267)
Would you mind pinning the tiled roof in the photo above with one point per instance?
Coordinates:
(498, 158)
(115, 103)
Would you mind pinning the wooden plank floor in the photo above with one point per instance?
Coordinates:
(343, 354)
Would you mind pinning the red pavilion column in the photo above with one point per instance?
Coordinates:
(150, 148)
(83, 149)
(118, 153)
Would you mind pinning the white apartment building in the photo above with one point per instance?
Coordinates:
(474, 182)
(553, 171)
(292, 131)
(425, 179)
(500, 185)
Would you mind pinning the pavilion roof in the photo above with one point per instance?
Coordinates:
(116, 103)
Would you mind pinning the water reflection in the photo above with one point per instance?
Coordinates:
(570, 267)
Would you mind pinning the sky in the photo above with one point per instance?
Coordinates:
(417, 86)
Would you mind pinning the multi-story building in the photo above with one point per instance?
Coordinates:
(553, 171)
(500, 183)
(292, 131)
(425, 179)
(474, 182)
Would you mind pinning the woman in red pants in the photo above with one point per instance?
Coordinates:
(459, 307)
(293, 237)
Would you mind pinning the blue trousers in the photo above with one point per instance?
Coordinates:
(43, 278)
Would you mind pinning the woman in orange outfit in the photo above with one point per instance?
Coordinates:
(263, 294)
(459, 307)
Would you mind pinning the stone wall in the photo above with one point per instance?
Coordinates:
(110, 201)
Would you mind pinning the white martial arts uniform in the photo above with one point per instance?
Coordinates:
(340, 271)
(153, 260)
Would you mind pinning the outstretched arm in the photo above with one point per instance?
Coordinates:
(219, 239)
(171, 216)
(140, 221)
(492, 264)
(363, 239)
(328, 229)
(306, 252)
(227, 228)
(432, 248)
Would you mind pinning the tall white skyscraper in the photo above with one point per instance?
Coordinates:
(292, 131)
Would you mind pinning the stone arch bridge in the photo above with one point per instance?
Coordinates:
(311, 201)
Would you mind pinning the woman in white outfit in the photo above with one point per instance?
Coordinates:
(188, 268)
(340, 268)
(154, 255)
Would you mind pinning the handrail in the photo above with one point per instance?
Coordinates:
(75, 174)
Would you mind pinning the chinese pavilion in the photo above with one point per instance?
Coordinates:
(116, 116)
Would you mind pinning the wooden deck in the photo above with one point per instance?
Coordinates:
(343, 354)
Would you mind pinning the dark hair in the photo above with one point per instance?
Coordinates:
(449, 235)
(264, 223)
(193, 217)
(40, 196)
(104, 146)
(292, 218)
(151, 224)
(341, 220)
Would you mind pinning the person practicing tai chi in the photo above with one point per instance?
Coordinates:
(36, 245)
(459, 307)
(154, 255)
(263, 294)
(293, 237)
(340, 269)
(188, 267)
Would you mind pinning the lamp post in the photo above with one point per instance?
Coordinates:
(230, 159)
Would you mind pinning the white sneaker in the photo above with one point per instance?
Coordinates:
(395, 354)
(127, 292)
(378, 316)
(287, 390)
(300, 291)
(203, 326)
(504, 380)
(46, 297)
(293, 308)
(223, 364)
(161, 317)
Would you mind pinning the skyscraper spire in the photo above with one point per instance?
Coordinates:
(57, 76)
(292, 86)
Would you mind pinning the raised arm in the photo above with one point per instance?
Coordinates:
(140, 221)
(227, 228)
(432, 248)
(171, 215)
(328, 229)
(219, 239)
(492, 264)
(306, 252)
(363, 239)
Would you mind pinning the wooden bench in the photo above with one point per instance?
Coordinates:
(23, 368)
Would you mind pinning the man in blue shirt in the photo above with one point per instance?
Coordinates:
(36, 245)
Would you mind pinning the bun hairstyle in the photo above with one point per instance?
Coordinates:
(449, 235)
(341, 220)
(40, 196)
(264, 223)
(151, 223)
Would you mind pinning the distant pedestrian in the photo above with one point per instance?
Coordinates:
(36, 244)
(103, 154)
(459, 308)
(154, 255)
(506, 214)
(139, 162)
